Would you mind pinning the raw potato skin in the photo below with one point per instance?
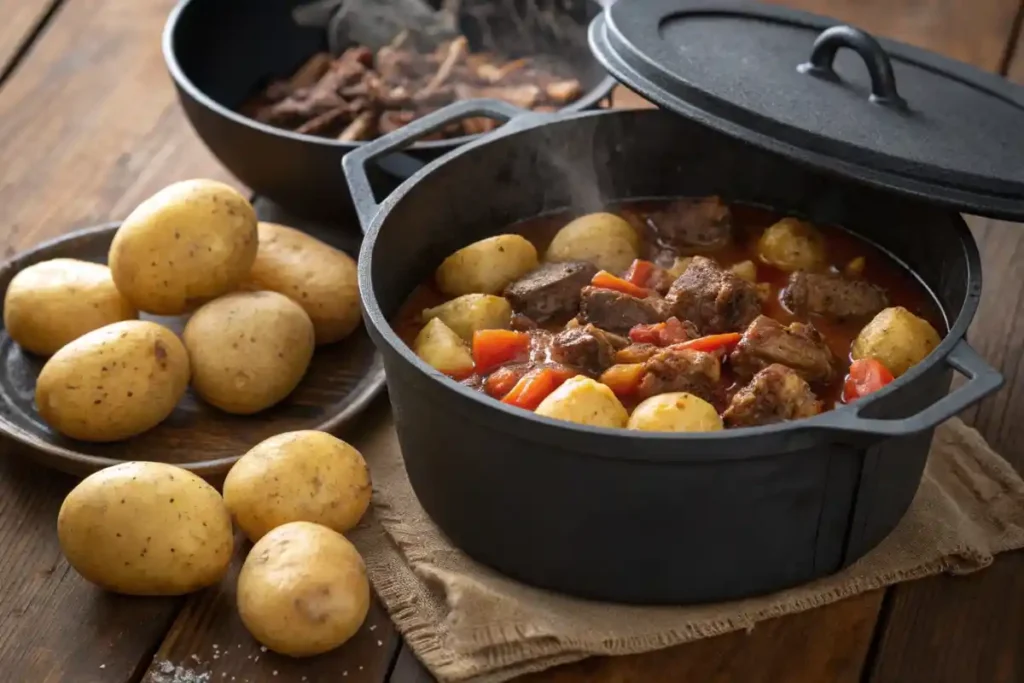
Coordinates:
(188, 243)
(603, 239)
(792, 244)
(584, 401)
(471, 312)
(306, 476)
(675, 412)
(487, 266)
(896, 338)
(439, 347)
(114, 382)
(55, 302)
(146, 528)
(248, 350)
(314, 275)
(303, 590)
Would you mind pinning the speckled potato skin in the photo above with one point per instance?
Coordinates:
(306, 476)
(603, 239)
(114, 382)
(584, 401)
(303, 590)
(486, 266)
(146, 528)
(248, 350)
(55, 302)
(675, 412)
(188, 243)
(316, 276)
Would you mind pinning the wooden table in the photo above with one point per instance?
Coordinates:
(89, 126)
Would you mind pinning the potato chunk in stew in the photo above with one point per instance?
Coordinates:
(471, 312)
(677, 412)
(792, 244)
(605, 240)
(584, 401)
(896, 338)
(487, 266)
(443, 350)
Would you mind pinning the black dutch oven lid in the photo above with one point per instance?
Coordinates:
(881, 111)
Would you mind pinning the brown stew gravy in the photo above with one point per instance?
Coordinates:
(748, 223)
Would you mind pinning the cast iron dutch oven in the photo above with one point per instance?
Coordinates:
(219, 52)
(661, 518)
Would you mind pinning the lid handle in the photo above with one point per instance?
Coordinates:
(883, 82)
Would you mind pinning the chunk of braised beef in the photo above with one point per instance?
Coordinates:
(522, 323)
(586, 347)
(618, 312)
(669, 370)
(775, 394)
(833, 296)
(552, 290)
(712, 298)
(660, 280)
(689, 226)
(636, 353)
(798, 346)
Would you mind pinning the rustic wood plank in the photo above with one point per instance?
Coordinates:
(88, 127)
(21, 19)
(90, 124)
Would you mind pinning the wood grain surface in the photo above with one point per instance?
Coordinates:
(20, 21)
(88, 127)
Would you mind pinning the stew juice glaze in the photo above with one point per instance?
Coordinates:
(748, 223)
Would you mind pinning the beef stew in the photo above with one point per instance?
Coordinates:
(725, 307)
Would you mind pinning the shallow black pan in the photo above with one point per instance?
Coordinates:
(342, 380)
(220, 52)
(653, 518)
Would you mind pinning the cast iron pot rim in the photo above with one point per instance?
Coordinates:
(559, 431)
(588, 101)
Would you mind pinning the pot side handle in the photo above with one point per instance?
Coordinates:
(354, 163)
(982, 380)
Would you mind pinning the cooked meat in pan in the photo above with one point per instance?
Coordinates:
(662, 307)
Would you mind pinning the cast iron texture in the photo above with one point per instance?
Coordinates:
(219, 52)
(342, 380)
(779, 78)
(653, 518)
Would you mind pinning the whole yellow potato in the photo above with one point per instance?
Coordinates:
(190, 242)
(675, 412)
(146, 528)
(896, 338)
(314, 275)
(442, 349)
(603, 239)
(248, 350)
(487, 266)
(468, 313)
(584, 401)
(114, 382)
(303, 590)
(792, 244)
(55, 302)
(304, 476)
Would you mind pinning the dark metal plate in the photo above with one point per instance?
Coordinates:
(342, 379)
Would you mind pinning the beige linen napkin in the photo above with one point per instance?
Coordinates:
(465, 621)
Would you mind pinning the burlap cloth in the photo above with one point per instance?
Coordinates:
(465, 621)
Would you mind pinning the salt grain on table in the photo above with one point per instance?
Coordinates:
(263, 648)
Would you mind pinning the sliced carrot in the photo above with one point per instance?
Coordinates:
(501, 381)
(712, 342)
(639, 272)
(492, 348)
(606, 280)
(867, 376)
(623, 379)
(532, 388)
